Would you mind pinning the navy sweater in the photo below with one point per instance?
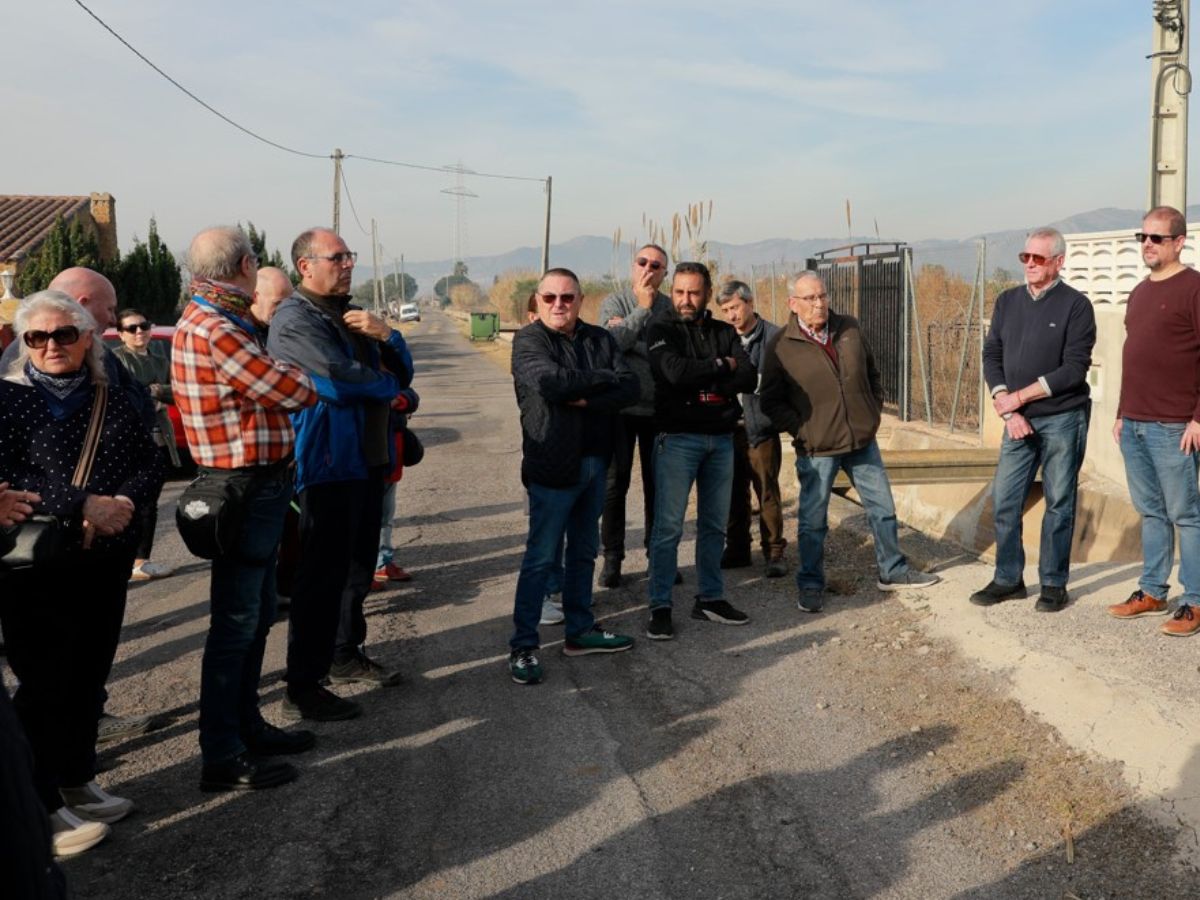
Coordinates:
(1050, 338)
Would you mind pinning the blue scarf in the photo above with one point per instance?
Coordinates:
(66, 394)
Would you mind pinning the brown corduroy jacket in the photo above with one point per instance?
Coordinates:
(828, 410)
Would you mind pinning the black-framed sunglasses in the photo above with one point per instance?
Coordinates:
(652, 264)
(64, 337)
(137, 326)
(1140, 237)
(338, 259)
(1036, 258)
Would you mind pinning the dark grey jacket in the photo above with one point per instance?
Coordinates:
(759, 427)
(631, 338)
(550, 370)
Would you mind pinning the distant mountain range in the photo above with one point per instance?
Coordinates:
(592, 256)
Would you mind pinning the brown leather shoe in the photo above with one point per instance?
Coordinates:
(1138, 604)
(1184, 623)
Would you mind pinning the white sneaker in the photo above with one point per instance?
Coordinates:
(148, 570)
(93, 803)
(552, 613)
(72, 834)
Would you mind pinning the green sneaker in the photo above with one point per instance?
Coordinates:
(596, 641)
(524, 667)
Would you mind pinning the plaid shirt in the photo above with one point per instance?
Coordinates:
(233, 398)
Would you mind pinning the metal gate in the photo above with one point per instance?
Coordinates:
(872, 285)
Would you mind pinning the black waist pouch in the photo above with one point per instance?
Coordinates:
(211, 510)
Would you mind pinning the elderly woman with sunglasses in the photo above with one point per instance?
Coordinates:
(62, 622)
(153, 370)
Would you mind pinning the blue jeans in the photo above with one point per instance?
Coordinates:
(242, 592)
(554, 512)
(1057, 445)
(1162, 485)
(865, 469)
(681, 460)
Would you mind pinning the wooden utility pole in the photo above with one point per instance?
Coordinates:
(375, 263)
(337, 190)
(1170, 82)
(546, 239)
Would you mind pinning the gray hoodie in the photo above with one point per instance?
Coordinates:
(631, 338)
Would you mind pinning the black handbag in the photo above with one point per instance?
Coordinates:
(40, 540)
(211, 509)
(414, 450)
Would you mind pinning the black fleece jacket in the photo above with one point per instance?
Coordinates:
(694, 390)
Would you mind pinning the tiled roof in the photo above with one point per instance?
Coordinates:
(25, 221)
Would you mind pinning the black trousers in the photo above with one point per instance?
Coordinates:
(147, 514)
(339, 540)
(630, 430)
(61, 629)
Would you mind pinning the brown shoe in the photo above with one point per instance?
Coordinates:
(1138, 604)
(1184, 623)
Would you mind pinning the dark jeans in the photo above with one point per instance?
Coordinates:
(61, 630)
(554, 513)
(758, 468)
(242, 608)
(147, 514)
(339, 538)
(630, 429)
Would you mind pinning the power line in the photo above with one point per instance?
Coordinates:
(215, 112)
(259, 137)
(350, 200)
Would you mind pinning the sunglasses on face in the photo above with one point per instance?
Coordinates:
(549, 299)
(1141, 236)
(1036, 258)
(652, 264)
(64, 337)
(139, 326)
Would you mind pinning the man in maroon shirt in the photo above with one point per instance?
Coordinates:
(1158, 422)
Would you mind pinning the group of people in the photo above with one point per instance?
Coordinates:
(292, 392)
(705, 401)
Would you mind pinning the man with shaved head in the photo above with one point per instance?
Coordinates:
(272, 288)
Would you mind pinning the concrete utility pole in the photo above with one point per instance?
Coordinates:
(1170, 84)
(546, 239)
(337, 190)
(375, 264)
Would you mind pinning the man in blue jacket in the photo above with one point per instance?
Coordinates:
(1035, 361)
(344, 449)
(570, 380)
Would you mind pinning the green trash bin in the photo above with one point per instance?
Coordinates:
(484, 326)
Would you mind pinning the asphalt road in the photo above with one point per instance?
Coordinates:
(845, 755)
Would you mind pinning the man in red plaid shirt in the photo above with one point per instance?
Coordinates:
(234, 400)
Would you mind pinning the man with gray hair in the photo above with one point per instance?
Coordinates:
(1035, 361)
(757, 452)
(234, 400)
(820, 385)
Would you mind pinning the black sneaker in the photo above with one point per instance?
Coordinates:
(660, 627)
(718, 611)
(610, 574)
(736, 559)
(997, 593)
(524, 667)
(360, 668)
(1052, 599)
(318, 705)
(245, 773)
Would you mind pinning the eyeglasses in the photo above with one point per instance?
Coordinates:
(339, 259)
(64, 337)
(1036, 258)
(1140, 237)
(567, 299)
(137, 326)
(811, 298)
(652, 264)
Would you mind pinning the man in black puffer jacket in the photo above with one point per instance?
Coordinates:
(699, 368)
(570, 380)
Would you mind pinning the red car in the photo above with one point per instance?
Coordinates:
(160, 344)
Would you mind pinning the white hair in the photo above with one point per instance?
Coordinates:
(57, 301)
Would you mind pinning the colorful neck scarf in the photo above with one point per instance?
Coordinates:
(223, 296)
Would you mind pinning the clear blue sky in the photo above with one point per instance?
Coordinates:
(937, 119)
